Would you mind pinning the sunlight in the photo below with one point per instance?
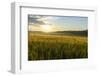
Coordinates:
(46, 28)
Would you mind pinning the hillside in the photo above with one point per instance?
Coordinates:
(72, 33)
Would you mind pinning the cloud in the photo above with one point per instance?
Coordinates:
(34, 20)
(39, 20)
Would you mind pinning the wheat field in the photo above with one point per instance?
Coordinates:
(50, 47)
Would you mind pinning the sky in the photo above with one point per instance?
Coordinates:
(56, 23)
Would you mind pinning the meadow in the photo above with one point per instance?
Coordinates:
(51, 47)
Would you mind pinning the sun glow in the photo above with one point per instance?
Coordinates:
(46, 28)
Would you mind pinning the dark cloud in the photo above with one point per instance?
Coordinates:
(34, 20)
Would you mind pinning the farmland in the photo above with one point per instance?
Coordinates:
(50, 47)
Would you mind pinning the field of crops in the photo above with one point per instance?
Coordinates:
(50, 47)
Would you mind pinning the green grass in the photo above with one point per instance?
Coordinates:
(50, 47)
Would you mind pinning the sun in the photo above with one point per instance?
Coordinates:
(46, 28)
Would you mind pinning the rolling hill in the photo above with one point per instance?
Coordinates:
(72, 33)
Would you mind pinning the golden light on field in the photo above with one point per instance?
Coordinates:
(46, 28)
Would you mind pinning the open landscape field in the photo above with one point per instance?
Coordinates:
(47, 47)
(52, 37)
